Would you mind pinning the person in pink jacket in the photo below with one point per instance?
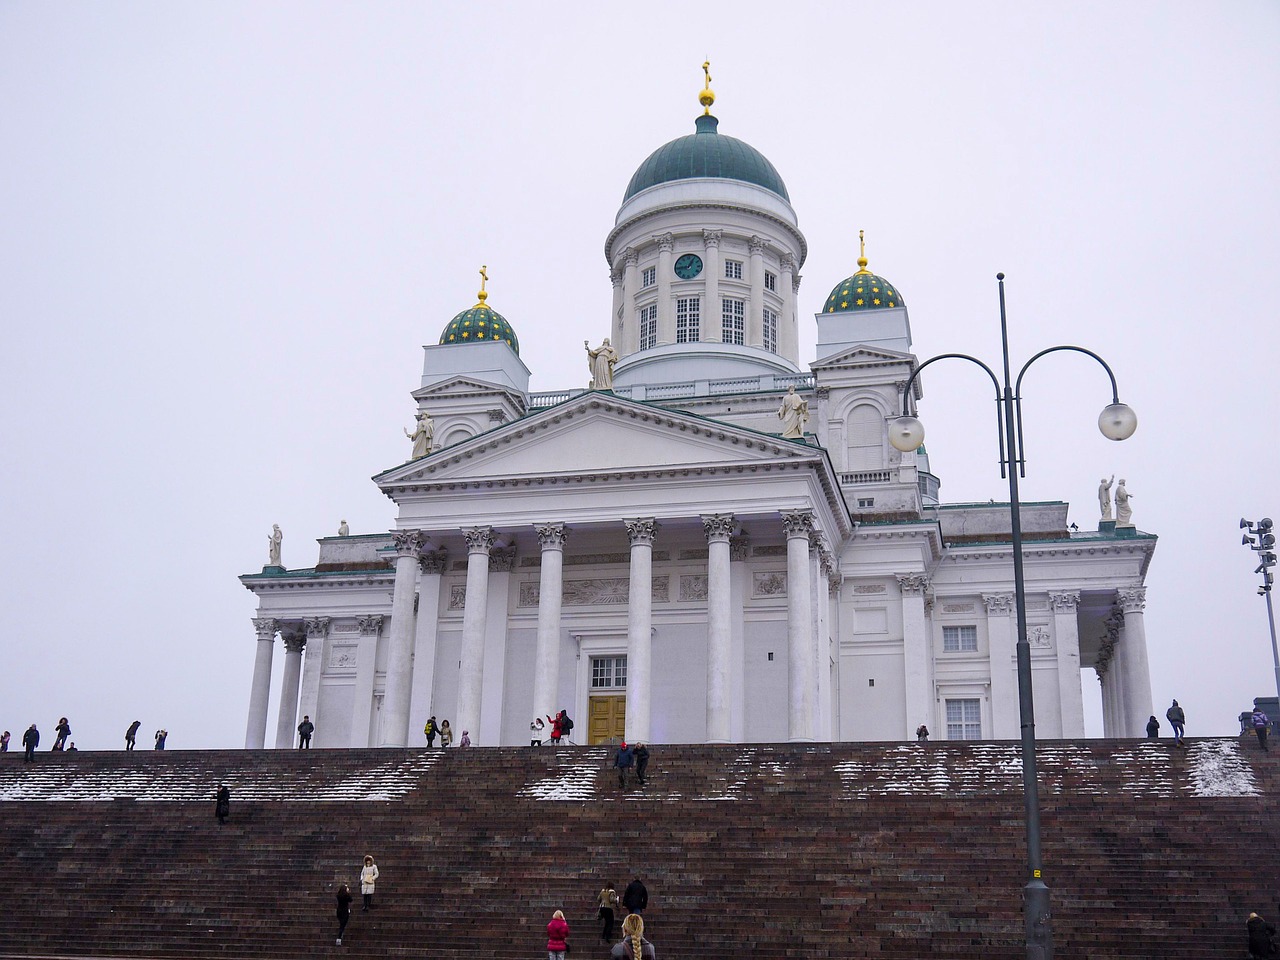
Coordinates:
(557, 936)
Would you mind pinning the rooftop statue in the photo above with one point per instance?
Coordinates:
(1124, 512)
(423, 433)
(794, 414)
(1104, 496)
(601, 361)
(273, 545)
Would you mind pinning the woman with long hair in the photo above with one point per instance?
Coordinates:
(633, 946)
(608, 903)
(368, 877)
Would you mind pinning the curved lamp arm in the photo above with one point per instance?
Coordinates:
(906, 392)
(1017, 392)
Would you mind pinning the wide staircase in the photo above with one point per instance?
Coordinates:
(771, 851)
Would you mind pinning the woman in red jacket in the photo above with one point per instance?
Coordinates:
(557, 935)
(556, 732)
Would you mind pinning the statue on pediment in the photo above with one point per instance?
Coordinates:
(1104, 496)
(601, 361)
(273, 545)
(423, 433)
(794, 414)
(1124, 512)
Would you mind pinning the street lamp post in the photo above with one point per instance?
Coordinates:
(1117, 422)
(1263, 543)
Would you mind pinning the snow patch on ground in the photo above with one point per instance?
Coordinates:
(1219, 770)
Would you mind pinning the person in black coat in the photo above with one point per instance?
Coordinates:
(1260, 934)
(222, 808)
(344, 909)
(63, 730)
(635, 898)
(30, 740)
(642, 761)
(1153, 728)
(623, 760)
(131, 735)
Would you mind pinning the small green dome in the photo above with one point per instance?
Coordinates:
(480, 324)
(863, 291)
(706, 154)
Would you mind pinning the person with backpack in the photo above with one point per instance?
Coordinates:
(1260, 725)
(430, 730)
(131, 735)
(566, 725)
(1177, 718)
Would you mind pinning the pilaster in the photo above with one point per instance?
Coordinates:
(916, 651)
(1006, 717)
(1066, 633)
(666, 309)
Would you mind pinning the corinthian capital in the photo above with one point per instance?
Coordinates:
(552, 536)
(433, 561)
(1132, 600)
(502, 559)
(798, 524)
(1065, 601)
(719, 527)
(407, 542)
(317, 627)
(479, 539)
(630, 256)
(264, 627)
(711, 238)
(665, 242)
(641, 530)
(912, 584)
(787, 262)
(759, 245)
(369, 626)
(293, 642)
(998, 603)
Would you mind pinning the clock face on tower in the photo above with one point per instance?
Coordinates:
(688, 266)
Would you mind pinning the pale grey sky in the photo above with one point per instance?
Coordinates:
(226, 230)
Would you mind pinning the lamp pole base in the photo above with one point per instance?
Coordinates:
(1039, 933)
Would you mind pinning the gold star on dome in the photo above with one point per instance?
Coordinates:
(876, 301)
(831, 309)
(843, 304)
(465, 335)
(892, 304)
(875, 289)
(861, 302)
(860, 290)
(844, 293)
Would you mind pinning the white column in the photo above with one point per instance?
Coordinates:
(1116, 673)
(817, 617)
(829, 602)
(719, 528)
(666, 309)
(755, 312)
(1137, 671)
(800, 705)
(287, 719)
(615, 318)
(916, 652)
(492, 691)
(546, 658)
(399, 673)
(630, 290)
(739, 549)
(1006, 716)
(312, 667)
(1066, 638)
(366, 667)
(431, 567)
(640, 532)
(255, 735)
(788, 328)
(474, 616)
(714, 270)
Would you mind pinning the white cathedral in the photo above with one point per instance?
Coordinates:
(709, 545)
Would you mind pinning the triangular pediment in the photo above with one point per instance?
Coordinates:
(460, 386)
(598, 433)
(859, 355)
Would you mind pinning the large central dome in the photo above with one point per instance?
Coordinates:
(706, 153)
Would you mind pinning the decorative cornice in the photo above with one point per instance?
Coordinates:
(711, 238)
(998, 604)
(407, 542)
(1132, 599)
(479, 539)
(1065, 601)
(912, 584)
(552, 536)
(317, 627)
(370, 626)
(702, 207)
(641, 530)
(719, 527)
(798, 524)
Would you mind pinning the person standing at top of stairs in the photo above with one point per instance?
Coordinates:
(1177, 718)
(305, 729)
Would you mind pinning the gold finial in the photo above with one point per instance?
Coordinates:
(862, 254)
(484, 278)
(707, 97)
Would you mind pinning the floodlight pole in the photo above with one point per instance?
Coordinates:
(1039, 933)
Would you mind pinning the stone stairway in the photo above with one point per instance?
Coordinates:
(829, 850)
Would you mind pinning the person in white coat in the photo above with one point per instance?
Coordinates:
(368, 877)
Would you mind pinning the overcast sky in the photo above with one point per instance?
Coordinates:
(226, 231)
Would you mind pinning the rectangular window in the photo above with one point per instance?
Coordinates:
(648, 326)
(866, 503)
(771, 281)
(734, 320)
(608, 673)
(648, 276)
(957, 639)
(733, 269)
(964, 720)
(770, 330)
(688, 320)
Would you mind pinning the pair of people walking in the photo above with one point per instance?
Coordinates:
(627, 757)
(432, 729)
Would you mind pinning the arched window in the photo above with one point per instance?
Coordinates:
(864, 427)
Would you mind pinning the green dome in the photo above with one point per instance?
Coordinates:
(706, 154)
(480, 324)
(863, 291)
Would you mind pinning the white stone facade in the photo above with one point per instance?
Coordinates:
(748, 588)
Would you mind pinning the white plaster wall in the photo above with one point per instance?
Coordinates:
(765, 681)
